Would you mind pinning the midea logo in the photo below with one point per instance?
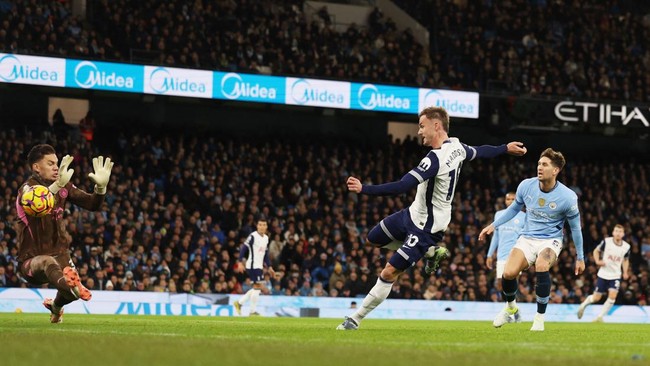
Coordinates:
(87, 75)
(162, 81)
(234, 87)
(12, 69)
(304, 93)
(370, 98)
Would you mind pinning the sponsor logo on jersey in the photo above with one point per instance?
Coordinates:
(425, 164)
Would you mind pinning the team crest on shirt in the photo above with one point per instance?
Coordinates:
(541, 202)
(552, 205)
(425, 164)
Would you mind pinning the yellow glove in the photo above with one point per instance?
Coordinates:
(65, 174)
(102, 173)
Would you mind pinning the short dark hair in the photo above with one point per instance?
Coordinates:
(437, 113)
(37, 153)
(556, 157)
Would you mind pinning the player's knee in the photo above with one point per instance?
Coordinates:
(41, 262)
(390, 273)
(510, 274)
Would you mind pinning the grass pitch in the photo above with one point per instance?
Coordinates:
(29, 339)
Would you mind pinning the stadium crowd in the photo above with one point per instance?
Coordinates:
(179, 207)
(537, 47)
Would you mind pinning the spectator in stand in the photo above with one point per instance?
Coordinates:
(225, 165)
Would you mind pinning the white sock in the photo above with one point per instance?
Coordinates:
(255, 296)
(540, 316)
(246, 296)
(606, 307)
(512, 304)
(376, 296)
(588, 300)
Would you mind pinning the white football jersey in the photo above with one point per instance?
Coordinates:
(614, 256)
(257, 246)
(438, 175)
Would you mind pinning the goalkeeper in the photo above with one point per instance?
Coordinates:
(43, 242)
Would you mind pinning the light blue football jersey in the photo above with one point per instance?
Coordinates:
(546, 212)
(506, 235)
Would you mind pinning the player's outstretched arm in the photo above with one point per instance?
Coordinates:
(404, 185)
(516, 148)
(354, 185)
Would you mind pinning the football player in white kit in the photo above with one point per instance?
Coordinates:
(255, 250)
(610, 255)
(420, 226)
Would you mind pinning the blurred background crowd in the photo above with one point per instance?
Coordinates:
(179, 205)
(594, 49)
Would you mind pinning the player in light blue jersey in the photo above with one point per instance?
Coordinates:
(549, 204)
(419, 227)
(504, 239)
(255, 251)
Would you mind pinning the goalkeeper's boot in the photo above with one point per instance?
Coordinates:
(507, 315)
(74, 282)
(348, 324)
(432, 262)
(237, 306)
(56, 315)
(538, 323)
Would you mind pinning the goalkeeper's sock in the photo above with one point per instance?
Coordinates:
(376, 296)
(607, 306)
(63, 298)
(246, 296)
(255, 296)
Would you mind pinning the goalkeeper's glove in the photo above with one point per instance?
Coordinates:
(102, 173)
(65, 173)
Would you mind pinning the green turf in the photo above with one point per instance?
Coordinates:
(29, 339)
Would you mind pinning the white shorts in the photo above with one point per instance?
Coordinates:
(501, 266)
(532, 247)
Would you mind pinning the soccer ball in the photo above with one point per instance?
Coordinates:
(38, 201)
